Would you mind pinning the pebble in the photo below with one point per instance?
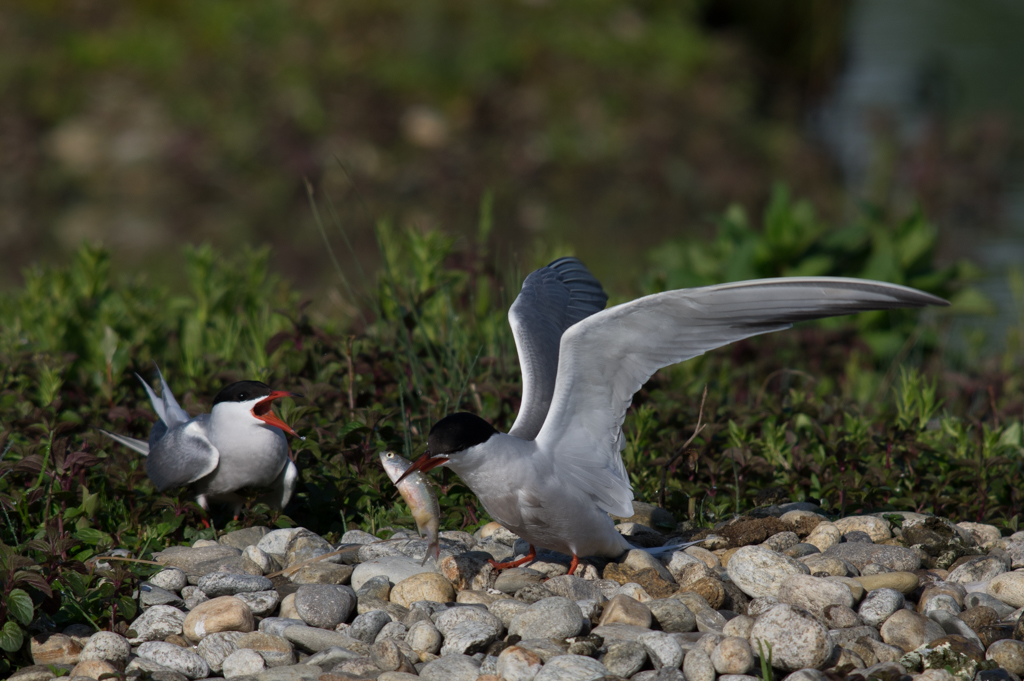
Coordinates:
(574, 588)
(216, 647)
(638, 559)
(182, 660)
(506, 609)
(824, 536)
(323, 573)
(425, 586)
(225, 584)
(624, 658)
(193, 596)
(978, 569)
(225, 613)
(797, 639)
(150, 595)
(512, 580)
(732, 656)
(247, 536)
(908, 630)
(365, 627)
(171, 579)
(395, 568)
(904, 582)
(92, 669)
(554, 617)
(323, 605)
(813, 593)
(276, 650)
(106, 645)
(662, 649)
(261, 603)
(1008, 654)
(879, 605)
(1008, 588)
(299, 672)
(423, 637)
(626, 610)
(840, 617)
(451, 668)
(671, 615)
(571, 668)
(759, 571)
(389, 656)
(156, 624)
(305, 545)
(895, 558)
(243, 662)
(197, 561)
(876, 528)
(468, 630)
(697, 666)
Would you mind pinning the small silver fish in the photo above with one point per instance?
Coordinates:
(419, 494)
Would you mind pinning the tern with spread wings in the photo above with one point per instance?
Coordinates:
(240, 443)
(558, 473)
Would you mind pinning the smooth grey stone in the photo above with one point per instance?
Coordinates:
(314, 640)
(469, 637)
(532, 593)
(305, 546)
(150, 595)
(182, 660)
(327, 658)
(662, 649)
(276, 542)
(390, 656)
(624, 658)
(879, 604)
(977, 598)
(297, 672)
(571, 668)
(106, 645)
(672, 615)
(554, 617)
(507, 608)
(843, 637)
(261, 603)
(193, 596)
(215, 648)
(979, 569)
(172, 579)
(392, 630)
(248, 536)
(423, 637)
(895, 558)
(395, 568)
(498, 551)
(857, 536)
(323, 605)
(366, 627)
(802, 550)
(451, 668)
(358, 537)
(545, 648)
(512, 580)
(574, 588)
(619, 632)
(276, 625)
(375, 587)
(452, 619)
(244, 663)
(198, 561)
(697, 665)
(223, 584)
(156, 624)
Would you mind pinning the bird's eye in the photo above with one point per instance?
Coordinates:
(391, 455)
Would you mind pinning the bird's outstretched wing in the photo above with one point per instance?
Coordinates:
(183, 455)
(604, 359)
(553, 298)
(165, 406)
(140, 446)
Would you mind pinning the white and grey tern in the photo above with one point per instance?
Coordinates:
(240, 443)
(555, 477)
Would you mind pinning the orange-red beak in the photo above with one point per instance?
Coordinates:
(263, 412)
(424, 464)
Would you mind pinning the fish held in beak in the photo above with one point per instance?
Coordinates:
(423, 464)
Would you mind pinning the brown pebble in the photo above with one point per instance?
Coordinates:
(993, 633)
(178, 640)
(710, 589)
(960, 645)
(978, 617)
(648, 578)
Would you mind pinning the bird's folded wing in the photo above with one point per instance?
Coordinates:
(130, 442)
(182, 456)
(553, 298)
(607, 357)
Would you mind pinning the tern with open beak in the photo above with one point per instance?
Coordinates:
(240, 443)
(558, 473)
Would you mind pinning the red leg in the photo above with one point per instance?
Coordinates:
(205, 522)
(515, 563)
(574, 564)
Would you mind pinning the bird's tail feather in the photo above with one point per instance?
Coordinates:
(660, 551)
(138, 445)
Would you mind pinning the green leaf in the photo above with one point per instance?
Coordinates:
(11, 636)
(93, 536)
(19, 604)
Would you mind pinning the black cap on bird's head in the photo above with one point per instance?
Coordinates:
(248, 391)
(452, 434)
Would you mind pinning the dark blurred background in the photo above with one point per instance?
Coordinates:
(600, 127)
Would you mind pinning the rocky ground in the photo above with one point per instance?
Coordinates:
(859, 597)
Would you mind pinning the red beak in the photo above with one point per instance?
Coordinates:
(263, 412)
(424, 464)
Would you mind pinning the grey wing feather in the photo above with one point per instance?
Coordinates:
(553, 298)
(183, 455)
(175, 413)
(138, 445)
(606, 358)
